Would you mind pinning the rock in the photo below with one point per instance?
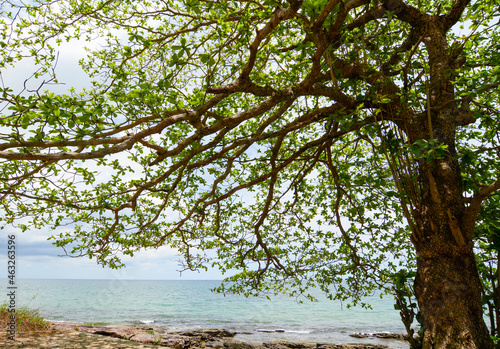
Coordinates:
(220, 333)
(214, 344)
(350, 346)
(117, 331)
(386, 335)
(290, 345)
(211, 332)
(209, 338)
(383, 335)
(297, 345)
(275, 346)
(359, 335)
(144, 337)
(239, 345)
(177, 341)
(270, 331)
(364, 346)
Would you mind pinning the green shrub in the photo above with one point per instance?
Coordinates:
(27, 320)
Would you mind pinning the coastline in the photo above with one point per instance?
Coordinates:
(182, 305)
(76, 335)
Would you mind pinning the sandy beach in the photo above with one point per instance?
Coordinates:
(71, 340)
(74, 335)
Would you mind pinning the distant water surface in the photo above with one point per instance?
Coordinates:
(180, 305)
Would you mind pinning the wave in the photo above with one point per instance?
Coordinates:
(147, 322)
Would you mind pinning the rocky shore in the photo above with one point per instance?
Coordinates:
(73, 335)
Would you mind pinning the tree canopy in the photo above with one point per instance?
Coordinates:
(317, 142)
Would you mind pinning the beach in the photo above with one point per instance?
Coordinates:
(74, 335)
(186, 306)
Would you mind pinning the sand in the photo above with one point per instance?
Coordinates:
(79, 336)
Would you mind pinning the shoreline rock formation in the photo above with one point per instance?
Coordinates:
(205, 338)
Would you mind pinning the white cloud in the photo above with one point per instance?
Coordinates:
(41, 260)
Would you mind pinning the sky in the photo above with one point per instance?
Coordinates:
(36, 257)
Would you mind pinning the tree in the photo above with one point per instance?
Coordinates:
(317, 142)
(487, 235)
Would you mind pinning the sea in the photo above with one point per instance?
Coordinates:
(178, 305)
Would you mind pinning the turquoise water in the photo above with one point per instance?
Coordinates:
(179, 305)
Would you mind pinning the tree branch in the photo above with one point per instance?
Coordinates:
(406, 13)
(475, 206)
(453, 16)
(281, 14)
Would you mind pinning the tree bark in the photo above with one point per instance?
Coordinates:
(447, 285)
(449, 295)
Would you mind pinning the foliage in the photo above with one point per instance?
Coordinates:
(407, 306)
(27, 319)
(488, 257)
(290, 144)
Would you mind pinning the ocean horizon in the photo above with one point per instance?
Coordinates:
(178, 305)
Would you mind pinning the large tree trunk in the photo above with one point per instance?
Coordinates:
(449, 296)
(447, 286)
